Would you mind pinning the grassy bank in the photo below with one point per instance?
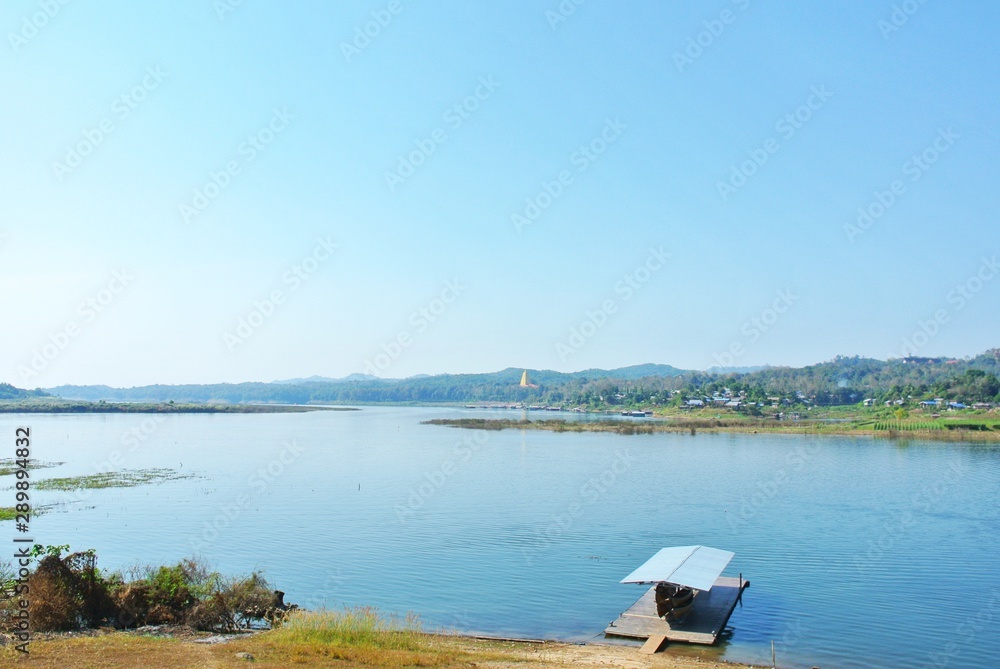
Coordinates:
(352, 638)
(941, 430)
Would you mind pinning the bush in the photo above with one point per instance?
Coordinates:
(70, 593)
(235, 605)
(55, 605)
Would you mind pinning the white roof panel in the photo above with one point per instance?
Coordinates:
(691, 566)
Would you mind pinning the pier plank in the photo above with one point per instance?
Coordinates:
(653, 644)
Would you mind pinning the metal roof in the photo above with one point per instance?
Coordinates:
(691, 566)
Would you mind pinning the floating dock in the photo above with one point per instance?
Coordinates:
(703, 625)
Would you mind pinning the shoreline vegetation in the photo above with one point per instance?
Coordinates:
(939, 430)
(188, 615)
(54, 405)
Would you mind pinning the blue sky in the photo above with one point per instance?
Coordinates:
(619, 133)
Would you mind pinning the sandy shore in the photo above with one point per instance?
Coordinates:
(175, 649)
(553, 654)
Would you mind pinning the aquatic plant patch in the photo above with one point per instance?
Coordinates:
(125, 478)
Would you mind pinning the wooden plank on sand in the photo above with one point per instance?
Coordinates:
(654, 644)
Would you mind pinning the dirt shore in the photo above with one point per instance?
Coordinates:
(176, 650)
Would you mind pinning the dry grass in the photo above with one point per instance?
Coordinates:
(351, 638)
(347, 639)
(123, 651)
(269, 650)
(357, 636)
(113, 651)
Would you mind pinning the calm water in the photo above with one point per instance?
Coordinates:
(860, 553)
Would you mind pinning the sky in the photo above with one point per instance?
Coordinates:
(210, 191)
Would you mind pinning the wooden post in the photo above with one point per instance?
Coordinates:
(773, 665)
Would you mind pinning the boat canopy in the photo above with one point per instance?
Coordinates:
(690, 566)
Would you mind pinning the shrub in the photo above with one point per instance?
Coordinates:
(70, 593)
(54, 604)
(236, 604)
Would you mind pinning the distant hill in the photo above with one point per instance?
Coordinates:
(737, 370)
(327, 379)
(632, 373)
(358, 388)
(843, 380)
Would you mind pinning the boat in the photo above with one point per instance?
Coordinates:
(682, 598)
(679, 613)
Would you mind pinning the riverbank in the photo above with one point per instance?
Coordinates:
(959, 432)
(279, 649)
(45, 405)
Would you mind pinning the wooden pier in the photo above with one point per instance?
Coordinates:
(703, 625)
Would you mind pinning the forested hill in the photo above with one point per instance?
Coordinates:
(876, 378)
(496, 386)
(844, 380)
(9, 392)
